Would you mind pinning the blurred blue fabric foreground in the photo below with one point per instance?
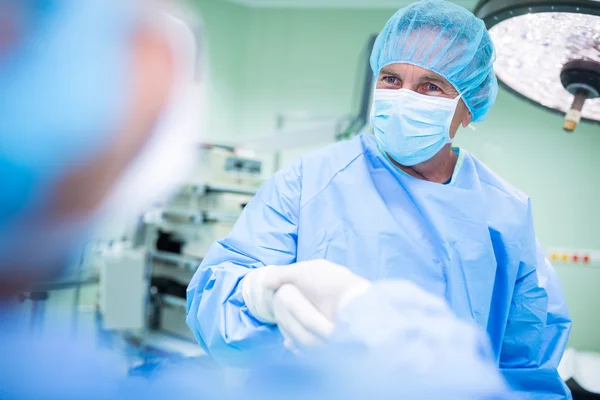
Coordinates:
(384, 347)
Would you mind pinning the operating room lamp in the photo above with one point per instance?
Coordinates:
(548, 51)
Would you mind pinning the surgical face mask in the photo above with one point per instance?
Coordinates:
(411, 127)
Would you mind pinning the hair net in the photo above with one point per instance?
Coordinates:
(447, 39)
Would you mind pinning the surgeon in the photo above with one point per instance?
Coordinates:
(400, 204)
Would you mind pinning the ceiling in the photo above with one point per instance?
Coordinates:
(352, 4)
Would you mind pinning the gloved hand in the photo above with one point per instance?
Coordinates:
(300, 323)
(302, 298)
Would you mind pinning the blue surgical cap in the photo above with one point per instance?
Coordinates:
(447, 39)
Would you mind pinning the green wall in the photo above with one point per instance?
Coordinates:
(265, 61)
(225, 26)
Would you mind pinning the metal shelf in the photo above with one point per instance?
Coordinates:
(222, 188)
(177, 259)
(181, 216)
(173, 301)
(188, 217)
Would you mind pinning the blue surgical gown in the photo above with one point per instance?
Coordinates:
(471, 241)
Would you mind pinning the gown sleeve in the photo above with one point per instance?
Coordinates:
(265, 234)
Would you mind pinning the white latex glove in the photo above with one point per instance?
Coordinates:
(328, 286)
(298, 320)
(302, 298)
(300, 323)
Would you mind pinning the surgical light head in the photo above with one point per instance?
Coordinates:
(549, 53)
